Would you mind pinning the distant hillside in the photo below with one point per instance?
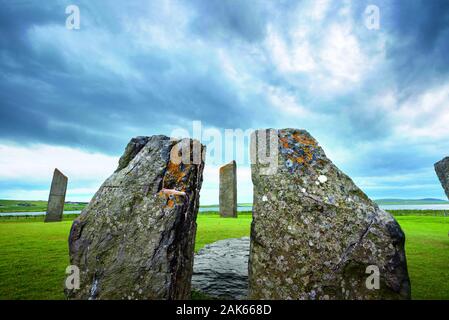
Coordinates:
(410, 201)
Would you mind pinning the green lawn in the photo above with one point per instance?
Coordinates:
(427, 249)
(212, 228)
(33, 255)
(34, 206)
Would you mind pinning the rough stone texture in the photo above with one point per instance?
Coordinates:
(314, 232)
(221, 269)
(442, 170)
(228, 190)
(56, 199)
(135, 239)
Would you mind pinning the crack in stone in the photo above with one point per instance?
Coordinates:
(352, 246)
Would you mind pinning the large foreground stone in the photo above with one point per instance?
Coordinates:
(135, 239)
(221, 269)
(315, 234)
(442, 170)
(228, 190)
(56, 199)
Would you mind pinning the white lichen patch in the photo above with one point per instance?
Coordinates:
(322, 179)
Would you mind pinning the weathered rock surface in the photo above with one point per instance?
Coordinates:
(228, 190)
(221, 269)
(56, 199)
(314, 232)
(442, 170)
(135, 239)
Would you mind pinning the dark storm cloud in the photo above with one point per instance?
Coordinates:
(35, 87)
(419, 50)
(52, 94)
(229, 20)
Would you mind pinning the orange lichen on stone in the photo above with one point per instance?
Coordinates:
(284, 142)
(304, 139)
(298, 148)
(307, 157)
(300, 160)
(174, 175)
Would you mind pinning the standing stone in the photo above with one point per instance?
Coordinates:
(228, 190)
(442, 170)
(135, 240)
(56, 199)
(315, 234)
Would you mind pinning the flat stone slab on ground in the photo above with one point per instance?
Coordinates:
(220, 269)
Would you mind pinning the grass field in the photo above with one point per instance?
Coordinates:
(33, 255)
(34, 206)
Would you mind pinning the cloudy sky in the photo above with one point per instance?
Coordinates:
(377, 100)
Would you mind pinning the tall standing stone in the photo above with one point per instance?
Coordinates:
(315, 234)
(135, 239)
(442, 170)
(228, 190)
(56, 199)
